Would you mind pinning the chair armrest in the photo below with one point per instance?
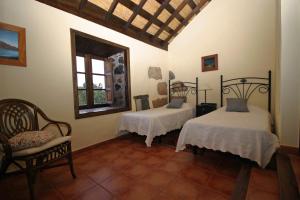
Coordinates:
(58, 124)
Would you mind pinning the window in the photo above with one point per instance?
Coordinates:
(100, 76)
(94, 81)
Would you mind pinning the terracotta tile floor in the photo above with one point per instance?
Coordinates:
(125, 168)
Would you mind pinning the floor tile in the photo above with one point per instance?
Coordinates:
(193, 173)
(221, 183)
(139, 191)
(103, 173)
(136, 171)
(266, 180)
(172, 166)
(152, 161)
(118, 185)
(206, 193)
(181, 188)
(159, 178)
(73, 188)
(95, 193)
(254, 193)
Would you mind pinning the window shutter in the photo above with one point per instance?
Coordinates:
(108, 80)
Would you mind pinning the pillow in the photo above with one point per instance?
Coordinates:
(29, 139)
(176, 103)
(237, 105)
(179, 97)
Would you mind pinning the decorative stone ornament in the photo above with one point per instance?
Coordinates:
(159, 102)
(171, 75)
(162, 88)
(155, 73)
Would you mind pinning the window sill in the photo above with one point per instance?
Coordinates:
(92, 112)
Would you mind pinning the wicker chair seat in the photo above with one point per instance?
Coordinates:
(48, 145)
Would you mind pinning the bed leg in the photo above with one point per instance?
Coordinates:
(202, 151)
(159, 139)
(195, 150)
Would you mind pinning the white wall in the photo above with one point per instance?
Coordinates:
(290, 72)
(242, 32)
(47, 79)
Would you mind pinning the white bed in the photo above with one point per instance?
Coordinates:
(245, 134)
(157, 121)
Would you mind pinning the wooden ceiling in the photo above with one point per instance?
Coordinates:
(155, 22)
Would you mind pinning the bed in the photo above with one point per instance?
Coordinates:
(159, 121)
(246, 134)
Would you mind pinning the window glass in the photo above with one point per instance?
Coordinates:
(97, 66)
(99, 82)
(81, 82)
(80, 64)
(100, 97)
(82, 97)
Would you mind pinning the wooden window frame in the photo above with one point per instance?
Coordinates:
(90, 111)
(89, 81)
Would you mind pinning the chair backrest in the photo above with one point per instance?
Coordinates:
(142, 102)
(17, 116)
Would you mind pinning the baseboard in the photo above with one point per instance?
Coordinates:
(290, 150)
(94, 146)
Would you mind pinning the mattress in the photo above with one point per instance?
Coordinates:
(156, 122)
(245, 134)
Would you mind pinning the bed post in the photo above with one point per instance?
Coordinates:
(270, 91)
(197, 98)
(221, 90)
(169, 90)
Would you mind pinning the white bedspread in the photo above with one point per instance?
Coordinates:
(157, 121)
(245, 134)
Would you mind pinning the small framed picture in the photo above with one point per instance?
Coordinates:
(12, 45)
(210, 63)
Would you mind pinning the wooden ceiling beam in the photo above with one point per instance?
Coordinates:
(196, 10)
(130, 5)
(156, 14)
(111, 9)
(135, 12)
(179, 8)
(82, 4)
(171, 10)
(192, 4)
(96, 14)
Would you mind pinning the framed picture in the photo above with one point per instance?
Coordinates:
(12, 45)
(210, 63)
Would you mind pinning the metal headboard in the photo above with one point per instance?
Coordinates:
(246, 86)
(183, 90)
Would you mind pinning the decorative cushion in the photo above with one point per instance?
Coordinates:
(142, 102)
(30, 139)
(34, 150)
(237, 105)
(176, 103)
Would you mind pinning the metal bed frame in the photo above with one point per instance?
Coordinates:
(246, 86)
(183, 89)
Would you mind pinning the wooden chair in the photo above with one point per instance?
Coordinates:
(142, 102)
(18, 116)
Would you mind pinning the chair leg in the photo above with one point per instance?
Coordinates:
(70, 161)
(4, 166)
(30, 180)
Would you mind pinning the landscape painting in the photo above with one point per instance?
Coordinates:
(12, 45)
(9, 44)
(210, 63)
